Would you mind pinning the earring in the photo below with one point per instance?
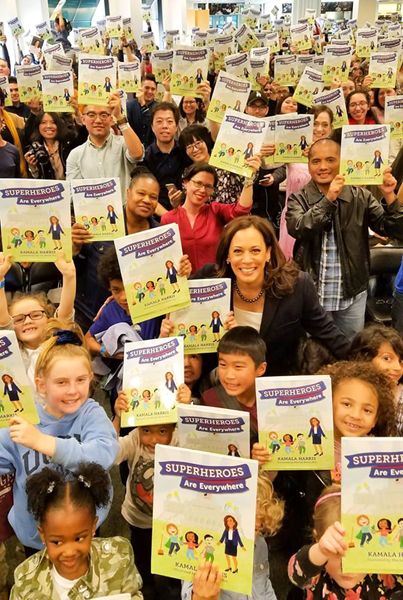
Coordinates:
(228, 261)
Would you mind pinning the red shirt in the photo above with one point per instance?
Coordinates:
(368, 121)
(201, 241)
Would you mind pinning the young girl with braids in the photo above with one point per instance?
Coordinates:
(72, 427)
(73, 563)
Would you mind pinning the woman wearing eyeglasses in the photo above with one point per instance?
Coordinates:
(358, 109)
(200, 221)
(191, 111)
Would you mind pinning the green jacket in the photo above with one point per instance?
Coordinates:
(111, 571)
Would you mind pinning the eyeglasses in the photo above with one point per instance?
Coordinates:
(104, 116)
(34, 315)
(358, 104)
(199, 185)
(189, 102)
(195, 146)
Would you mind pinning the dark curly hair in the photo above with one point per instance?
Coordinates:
(366, 343)
(88, 486)
(108, 267)
(364, 371)
(200, 115)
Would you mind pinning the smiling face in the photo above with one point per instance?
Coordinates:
(237, 374)
(345, 580)
(142, 198)
(197, 151)
(189, 106)
(355, 408)
(30, 332)
(358, 107)
(324, 162)
(383, 93)
(322, 126)
(388, 362)
(198, 190)
(248, 256)
(48, 128)
(193, 368)
(164, 126)
(289, 106)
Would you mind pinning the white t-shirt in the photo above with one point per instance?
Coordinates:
(247, 317)
(62, 585)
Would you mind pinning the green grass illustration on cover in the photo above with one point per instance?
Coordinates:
(57, 91)
(295, 421)
(35, 219)
(96, 79)
(230, 91)
(394, 116)
(204, 510)
(372, 504)
(189, 69)
(16, 393)
(364, 154)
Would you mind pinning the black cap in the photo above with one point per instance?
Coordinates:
(254, 96)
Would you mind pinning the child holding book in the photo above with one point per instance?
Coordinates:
(316, 568)
(73, 563)
(72, 426)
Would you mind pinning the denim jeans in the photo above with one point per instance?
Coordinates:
(352, 319)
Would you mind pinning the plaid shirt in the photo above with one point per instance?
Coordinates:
(330, 284)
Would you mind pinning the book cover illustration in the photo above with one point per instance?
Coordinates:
(204, 509)
(172, 38)
(189, 69)
(52, 49)
(232, 149)
(129, 76)
(245, 38)
(42, 29)
(127, 27)
(309, 84)
(394, 116)
(371, 504)
(221, 430)
(383, 69)
(285, 70)
(162, 64)
(153, 287)
(259, 68)
(301, 37)
(29, 78)
(295, 420)
(304, 60)
(202, 324)
(98, 206)
(224, 45)
(91, 41)
(239, 65)
(293, 136)
(5, 88)
(229, 92)
(366, 42)
(35, 219)
(199, 39)
(60, 62)
(335, 100)
(17, 395)
(273, 42)
(152, 372)
(337, 61)
(114, 26)
(57, 91)
(364, 153)
(16, 28)
(96, 79)
(148, 42)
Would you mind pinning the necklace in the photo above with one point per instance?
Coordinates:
(244, 298)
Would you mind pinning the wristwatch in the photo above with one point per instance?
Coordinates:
(121, 121)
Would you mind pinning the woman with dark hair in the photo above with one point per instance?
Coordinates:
(201, 221)
(270, 294)
(191, 111)
(358, 106)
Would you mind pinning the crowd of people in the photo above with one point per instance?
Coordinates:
(294, 239)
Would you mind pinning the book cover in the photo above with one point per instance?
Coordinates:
(114, 26)
(35, 219)
(17, 395)
(295, 420)
(5, 88)
(16, 28)
(366, 42)
(394, 116)
(60, 62)
(273, 42)
(245, 38)
(129, 76)
(309, 84)
(230, 91)
(293, 135)
(162, 64)
(383, 69)
(29, 78)
(149, 263)
(371, 504)
(239, 65)
(304, 60)
(172, 38)
(337, 60)
(335, 100)
(199, 39)
(189, 68)
(224, 45)
(96, 79)
(152, 372)
(148, 42)
(301, 37)
(127, 27)
(202, 324)
(42, 29)
(221, 430)
(364, 153)
(285, 69)
(91, 41)
(204, 509)
(259, 68)
(52, 49)
(231, 149)
(57, 91)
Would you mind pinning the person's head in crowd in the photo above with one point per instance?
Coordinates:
(195, 141)
(269, 507)
(357, 72)
(149, 88)
(164, 122)
(383, 347)
(199, 182)
(197, 369)
(252, 239)
(8, 123)
(98, 121)
(30, 314)
(286, 105)
(348, 87)
(48, 127)
(4, 68)
(241, 358)
(257, 105)
(141, 196)
(324, 161)
(358, 107)
(322, 122)
(26, 60)
(363, 400)
(380, 95)
(109, 275)
(192, 109)
(312, 356)
(14, 92)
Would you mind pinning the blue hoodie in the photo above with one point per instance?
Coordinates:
(85, 436)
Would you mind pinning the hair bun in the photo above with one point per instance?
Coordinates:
(65, 336)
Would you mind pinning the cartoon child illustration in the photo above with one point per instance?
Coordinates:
(66, 95)
(111, 217)
(107, 85)
(12, 390)
(367, 169)
(232, 540)
(157, 398)
(316, 433)
(203, 332)
(199, 76)
(364, 534)
(139, 292)
(237, 105)
(86, 89)
(288, 442)
(377, 162)
(191, 542)
(172, 275)
(29, 238)
(281, 148)
(300, 443)
(237, 157)
(170, 382)
(274, 445)
(150, 286)
(56, 230)
(135, 398)
(339, 111)
(93, 89)
(173, 539)
(230, 152)
(146, 397)
(102, 224)
(208, 548)
(389, 74)
(232, 450)
(350, 167)
(248, 152)
(41, 237)
(182, 330)
(215, 325)
(16, 239)
(94, 225)
(192, 333)
(161, 286)
(359, 166)
(245, 73)
(222, 150)
(384, 530)
(399, 535)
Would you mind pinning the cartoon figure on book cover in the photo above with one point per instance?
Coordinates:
(232, 540)
(56, 230)
(215, 325)
(172, 275)
(316, 433)
(12, 390)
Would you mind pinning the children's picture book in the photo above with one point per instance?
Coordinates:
(98, 207)
(52, 49)
(5, 88)
(240, 137)
(172, 38)
(204, 510)
(389, 45)
(189, 68)
(221, 430)
(43, 30)
(91, 41)
(96, 78)
(57, 91)
(293, 135)
(250, 17)
(394, 116)
(245, 38)
(199, 39)
(29, 79)
(273, 42)
(36, 46)
(149, 263)
(265, 23)
(304, 60)
(337, 60)
(224, 45)
(162, 64)
(295, 420)
(17, 395)
(366, 42)
(59, 62)
(301, 37)
(114, 26)
(309, 84)
(239, 65)
(129, 76)
(127, 27)
(371, 504)
(35, 219)
(364, 154)
(212, 33)
(318, 63)
(383, 69)
(335, 100)
(202, 324)
(259, 68)
(148, 42)
(285, 69)
(229, 92)
(152, 372)
(16, 28)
